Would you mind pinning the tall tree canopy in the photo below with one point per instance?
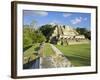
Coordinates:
(85, 32)
(46, 30)
(31, 36)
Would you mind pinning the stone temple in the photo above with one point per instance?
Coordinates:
(65, 35)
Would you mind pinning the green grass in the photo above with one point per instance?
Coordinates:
(78, 54)
(48, 50)
(30, 54)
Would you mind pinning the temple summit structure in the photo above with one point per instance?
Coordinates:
(65, 35)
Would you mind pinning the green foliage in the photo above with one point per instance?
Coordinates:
(32, 36)
(85, 32)
(27, 37)
(46, 30)
(88, 35)
(38, 37)
(30, 53)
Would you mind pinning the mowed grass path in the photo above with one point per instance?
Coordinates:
(48, 50)
(30, 54)
(78, 54)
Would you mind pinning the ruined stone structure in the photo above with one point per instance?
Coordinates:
(64, 35)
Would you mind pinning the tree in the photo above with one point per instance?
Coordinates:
(31, 36)
(85, 32)
(88, 35)
(33, 24)
(37, 37)
(46, 31)
(27, 37)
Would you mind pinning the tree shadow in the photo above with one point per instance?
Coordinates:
(24, 49)
(37, 48)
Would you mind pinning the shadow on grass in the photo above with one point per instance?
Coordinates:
(24, 49)
(36, 51)
(29, 64)
(78, 61)
(37, 48)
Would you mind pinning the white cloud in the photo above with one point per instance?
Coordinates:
(41, 13)
(32, 13)
(77, 20)
(66, 14)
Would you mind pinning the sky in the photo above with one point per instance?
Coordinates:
(73, 19)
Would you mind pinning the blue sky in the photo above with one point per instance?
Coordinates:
(65, 18)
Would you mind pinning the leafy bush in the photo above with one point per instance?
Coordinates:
(84, 32)
(31, 36)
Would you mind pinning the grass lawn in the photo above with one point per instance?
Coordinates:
(30, 54)
(78, 54)
(48, 50)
